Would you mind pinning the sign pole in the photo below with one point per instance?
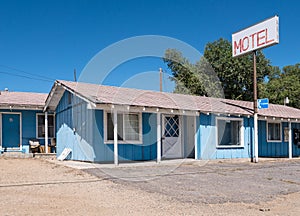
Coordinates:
(255, 109)
(255, 37)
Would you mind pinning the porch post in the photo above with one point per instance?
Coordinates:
(46, 132)
(116, 137)
(158, 141)
(195, 139)
(290, 141)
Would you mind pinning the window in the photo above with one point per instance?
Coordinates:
(129, 127)
(230, 132)
(274, 131)
(41, 126)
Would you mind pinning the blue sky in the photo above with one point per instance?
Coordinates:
(44, 40)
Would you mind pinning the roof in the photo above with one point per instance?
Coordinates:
(22, 100)
(100, 94)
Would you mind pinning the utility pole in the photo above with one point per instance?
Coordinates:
(160, 79)
(75, 78)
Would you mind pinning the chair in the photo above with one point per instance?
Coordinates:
(53, 145)
(34, 145)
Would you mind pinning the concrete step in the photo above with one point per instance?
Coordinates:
(45, 155)
(16, 155)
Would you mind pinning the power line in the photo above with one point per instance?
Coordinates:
(43, 78)
(27, 77)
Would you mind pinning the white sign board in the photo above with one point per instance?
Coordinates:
(256, 37)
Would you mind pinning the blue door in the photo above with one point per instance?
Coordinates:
(10, 130)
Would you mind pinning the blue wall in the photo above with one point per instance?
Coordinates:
(87, 140)
(296, 150)
(208, 140)
(275, 149)
(28, 126)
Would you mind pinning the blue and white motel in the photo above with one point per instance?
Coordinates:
(111, 124)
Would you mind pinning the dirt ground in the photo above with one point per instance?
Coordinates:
(40, 187)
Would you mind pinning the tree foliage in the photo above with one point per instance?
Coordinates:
(281, 84)
(196, 79)
(217, 70)
(236, 74)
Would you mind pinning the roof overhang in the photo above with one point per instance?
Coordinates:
(56, 93)
(278, 118)
(21, 107)
(54, 97)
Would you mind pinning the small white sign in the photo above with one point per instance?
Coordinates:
(256, 37)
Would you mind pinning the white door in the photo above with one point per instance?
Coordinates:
(171, 147)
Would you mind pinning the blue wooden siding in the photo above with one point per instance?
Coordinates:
(208, 140)
(275, 149)
(10, 130)
(28, 126)
(137, 152)
(81, 129)
(296, 149)
(270, 149)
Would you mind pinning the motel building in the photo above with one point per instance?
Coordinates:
(103, 124)
(22, 121)
(106, 124)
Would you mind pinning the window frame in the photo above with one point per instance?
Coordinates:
(241, 131)
(280, 129)
(37, 126)
(105, 128)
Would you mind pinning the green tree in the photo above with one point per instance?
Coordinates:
(217, 69)
(281, 84)
(196, 79)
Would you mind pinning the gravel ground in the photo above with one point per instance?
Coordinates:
(39, 187)
(212, 183)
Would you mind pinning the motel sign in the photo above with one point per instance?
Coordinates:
(253, 38)
(256, 37)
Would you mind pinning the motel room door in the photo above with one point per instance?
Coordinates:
(171, 141)
(10, 130)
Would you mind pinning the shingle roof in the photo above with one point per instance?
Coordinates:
(100, 94)
(22, 100)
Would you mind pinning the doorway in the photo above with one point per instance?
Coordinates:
(11, 130)
(171, 141)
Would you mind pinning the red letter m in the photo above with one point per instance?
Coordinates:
(237, 46)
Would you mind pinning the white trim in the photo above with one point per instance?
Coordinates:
(36, 125)
(116, 154)
(46, 132)
(21, 107)
(255, 131)
(140, 141)
(158, 119)
(181, 132)
(282, 119)
(242, 129)
(280, 129)
(0, 131)
(195, 138)
(50, 95)
(21, 146)
(20, 124)
(290, 141)
(128, 108)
